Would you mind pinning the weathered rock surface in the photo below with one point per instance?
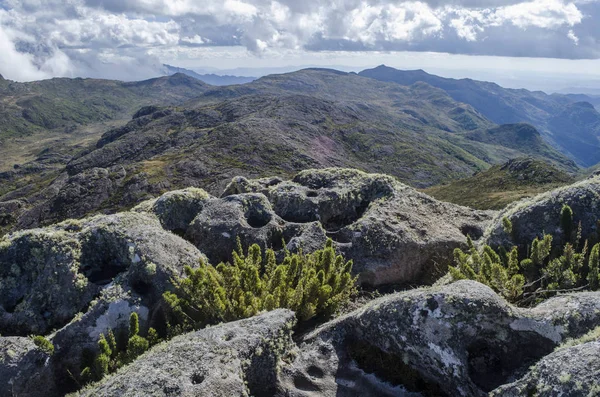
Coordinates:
(573, 371)
(461, 339)
(49, 275)
(394, 233)
(235, 359)
(541, 214)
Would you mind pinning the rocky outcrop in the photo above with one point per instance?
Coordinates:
(82, 278)
(541, 214)
(571, 371)
(235, 359)
(49, 275)
(394, 233)
(456, 340)
(460, 339)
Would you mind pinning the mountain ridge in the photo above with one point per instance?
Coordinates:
(508, 106)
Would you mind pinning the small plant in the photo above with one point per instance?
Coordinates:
(110, 358)
(566, 222)
(310, 285)
(44, 345)
(507, 226)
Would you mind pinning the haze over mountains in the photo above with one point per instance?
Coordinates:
(568, 123)
(72, 148)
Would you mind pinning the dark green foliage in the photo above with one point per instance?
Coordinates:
(593, 276)
(507, 225)
(110, 357)
(533, 278)
(310, 285)
(44, 344)
(566, 222)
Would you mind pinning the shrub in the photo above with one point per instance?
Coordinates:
(44, 344)
(311, 285)
(530, 279)
(110, 358)
(566, 221)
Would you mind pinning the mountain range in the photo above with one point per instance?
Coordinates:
(208, 78)
(569, 123)
(80, 146)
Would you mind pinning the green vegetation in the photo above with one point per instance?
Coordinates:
(44, 344)
(543, 273)
(112, 355)
(311, 285)
(503, 184)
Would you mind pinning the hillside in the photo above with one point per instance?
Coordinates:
(212, 79)
(276, 125)
(503, 184)
(550, 114)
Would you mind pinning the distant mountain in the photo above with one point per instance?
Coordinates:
(502, 184)
(63, 103)
(276, 125)
(212, 79)
(524, 138)
(550, 114)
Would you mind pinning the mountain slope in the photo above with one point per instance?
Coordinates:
(524, 138)
(500, 185)
(66, 103)
(551, 114)
(212, 79)
(276, 125)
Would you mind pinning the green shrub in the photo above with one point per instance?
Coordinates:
(110, 358)
(311, 285)
(44, 344)
(566, 222)
(507, 226)
(531, 279)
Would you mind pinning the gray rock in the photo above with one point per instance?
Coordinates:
(235, 359)
(573, 371)
(460, 339)
(394, 233)
(176, 209)
(541, 214)
(20, 359)
(49, 275)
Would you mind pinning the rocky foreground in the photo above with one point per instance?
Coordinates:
(77, 279)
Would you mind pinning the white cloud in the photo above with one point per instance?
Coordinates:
(571, 35)
(66, 37)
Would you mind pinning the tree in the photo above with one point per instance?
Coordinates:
(566, 222)
(593, 276)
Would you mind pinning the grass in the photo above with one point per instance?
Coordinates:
(502, 184)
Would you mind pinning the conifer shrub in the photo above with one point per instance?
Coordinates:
(110, 357)
(309, 284)
(44, 344)
(538, 276)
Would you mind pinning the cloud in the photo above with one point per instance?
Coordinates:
(75, 37)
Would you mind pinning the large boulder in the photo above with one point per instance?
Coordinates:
(573, 371)
(532, 217)
(394, 233)
(235, 359)
(460, 339)
(21, 362)
(48, 275)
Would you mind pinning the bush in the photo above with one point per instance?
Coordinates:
(531, 279)
(311, 285)
(110, 358)
(566, 222)
(44, 345)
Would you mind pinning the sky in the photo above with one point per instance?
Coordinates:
(516, 42)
